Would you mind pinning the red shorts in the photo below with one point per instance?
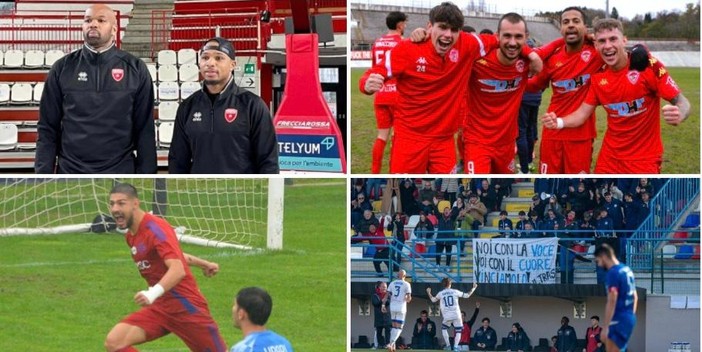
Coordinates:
(565, 157)
(198, 330)
(421, 156)
(383, 116)
(613, 165)
(487, 159)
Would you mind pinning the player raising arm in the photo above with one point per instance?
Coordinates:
(632, 142)
(173, 302)
(450, 310)
(399, 294)
(622, 299)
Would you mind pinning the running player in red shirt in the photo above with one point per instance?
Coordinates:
(496, 86)
(632, 143)
(569, 70)
(173, 302)
(385, 98)
(430, 74)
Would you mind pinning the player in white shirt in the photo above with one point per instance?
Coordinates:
(450, 310)
(399, 293)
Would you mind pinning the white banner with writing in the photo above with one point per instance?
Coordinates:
(515, 261)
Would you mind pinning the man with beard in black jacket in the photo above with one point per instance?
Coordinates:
(96, 111)
(381, 320)
(223, 128)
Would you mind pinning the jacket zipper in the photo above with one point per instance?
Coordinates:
(97, 80)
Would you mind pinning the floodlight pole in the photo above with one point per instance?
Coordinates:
(606, 8)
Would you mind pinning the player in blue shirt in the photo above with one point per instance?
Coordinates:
(251, 310)
(620, 312)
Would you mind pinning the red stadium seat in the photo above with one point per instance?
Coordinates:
(696, 254)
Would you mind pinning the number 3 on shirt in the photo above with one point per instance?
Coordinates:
(397, 290)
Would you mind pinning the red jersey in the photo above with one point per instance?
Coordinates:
(591, 337)
(154, 242)
(429, 85)
(632, 102)
(388, 94)
(495, 95)
(570, 75)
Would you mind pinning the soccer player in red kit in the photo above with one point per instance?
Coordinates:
(496, 86)
(430, 75)
(569, 70)
(173, 302)
(385, 98)
(632, 142)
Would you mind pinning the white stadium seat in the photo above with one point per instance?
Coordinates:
(669, 251)
(38, 89)
(167, 110)
(166, 57)
(34, 59)
(188, 73)
(8, 136)
(14, 59)
(152, 71)
(155, 91)
(188, 88)
(167, 73)
(165, 134)
(187, 56)
(2, 58)
(52, 56)
(21, 93)
(4, 93)
(168, 91)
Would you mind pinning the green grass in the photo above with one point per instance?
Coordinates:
(64, 293)
(682, 143)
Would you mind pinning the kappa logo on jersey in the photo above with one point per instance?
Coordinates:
(500, 86)
(230, 115)
(82, 76)
(197, 116)
(586, 55)
(633, 76)
(453, 55)
(421, 64)
(520, 66)
(573, 84)
(669, 81)
(117, 74)
(627, 109)
(604, 82)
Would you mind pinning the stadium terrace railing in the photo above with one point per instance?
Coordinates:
(46, 30)
(668, 206)
(662, 268)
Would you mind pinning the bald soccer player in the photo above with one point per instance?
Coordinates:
(96, 111)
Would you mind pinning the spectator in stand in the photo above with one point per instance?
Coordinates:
(408, 199)
(605, 225)
(464, 193)
(517, 339)
(528, 230)
(644, 186)
(615, 210)
(460, 207)
(363, 224)
(503, 188)
(427, 194)
(475, 213)
(397, 227)
(505, 224)
(570, 224)
(593, 343)
(535, 219)
(520, 226)
(551, 223)
(374, 185)
(423, 230)
(382, 252)
(381, 320)
(430, 207)
(485, 337)
(567, 339)
(446, 236)
(645, 207)
(464, 344)
(488, 195)
(359, 206)
(424, 332)
(587, 224)
(553, 344)
(632, 215)
(553, 205)
(537, 206)
(359, 187)
(449, 187)
(581, 200)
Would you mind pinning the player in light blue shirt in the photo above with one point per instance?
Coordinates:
(252, 307)
(620, 312)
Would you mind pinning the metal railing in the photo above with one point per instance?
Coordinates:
(671, 202)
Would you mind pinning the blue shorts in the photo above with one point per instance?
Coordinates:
(620, 330)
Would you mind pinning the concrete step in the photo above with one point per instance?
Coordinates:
(522, 189)
(516, 204)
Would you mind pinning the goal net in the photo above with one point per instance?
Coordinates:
(240, 213)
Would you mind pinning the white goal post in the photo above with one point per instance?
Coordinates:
(232, 213)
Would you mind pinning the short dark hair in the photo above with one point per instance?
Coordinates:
(566, 319)
(607, 194)
(503, 212)
(514, 18)
(521, 213)
(125, 188)
(394, 18)
(446, 281)
(424, 312)
(257, 303)
(487, 31)
(604, 250)
(468, 29)
(484, 319)
(447, 12)
(595, 317)
(574, 8)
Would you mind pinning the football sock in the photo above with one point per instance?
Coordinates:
(457, 339)
(378, 150)
(446, 337)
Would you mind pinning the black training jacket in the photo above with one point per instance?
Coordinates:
(234, 135)
(96, 115)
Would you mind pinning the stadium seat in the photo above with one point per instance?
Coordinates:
(21, 93)
(167, 110)
(443, 204)
(152, 71)
(8, 136)
(34, 59)
(168, 91)
(692, 221)
(52, 56)
(165, 134)
(187, 56)
(155, 92)
(167, 73)
(188, 73)
(2, 58)
(696, 254)
(14, 59)
(376, 206)
(4, 93)
(669, 251)
(680, 236)
(166, 57)
(38, 89)
(188, 88)
(685, 252)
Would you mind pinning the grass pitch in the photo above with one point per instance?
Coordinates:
(682, 143)
(64, 293)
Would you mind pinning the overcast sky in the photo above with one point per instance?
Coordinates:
(626, 8)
